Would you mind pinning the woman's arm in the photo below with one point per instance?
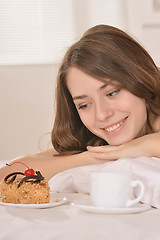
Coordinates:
(48, 164)
(148, 145)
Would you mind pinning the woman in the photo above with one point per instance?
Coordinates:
(108, 104)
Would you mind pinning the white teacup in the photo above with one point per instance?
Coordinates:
(114, 189)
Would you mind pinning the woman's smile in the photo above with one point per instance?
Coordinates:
(115, 127)
(107, 110)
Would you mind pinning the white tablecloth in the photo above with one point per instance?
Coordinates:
(69, 223)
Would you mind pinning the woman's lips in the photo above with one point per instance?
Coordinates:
(115, 127)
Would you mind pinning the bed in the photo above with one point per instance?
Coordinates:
(68, 222)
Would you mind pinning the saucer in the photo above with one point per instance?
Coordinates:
(54, 202)
(138, 208)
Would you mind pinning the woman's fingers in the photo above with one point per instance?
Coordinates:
(97, 149)
(104, 152)
(134, 148)
(105, 156)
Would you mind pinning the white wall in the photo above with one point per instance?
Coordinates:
(27, 108)
(27, 91)
(144, 24)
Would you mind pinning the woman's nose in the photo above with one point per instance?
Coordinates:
(103, 111)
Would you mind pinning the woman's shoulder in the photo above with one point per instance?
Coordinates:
(47, 152)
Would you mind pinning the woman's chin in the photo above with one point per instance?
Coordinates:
(118, 142)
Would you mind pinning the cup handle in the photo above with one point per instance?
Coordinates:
(136, 200)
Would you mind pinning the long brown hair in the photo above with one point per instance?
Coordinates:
(103, 52)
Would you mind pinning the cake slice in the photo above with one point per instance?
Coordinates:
(21, 189)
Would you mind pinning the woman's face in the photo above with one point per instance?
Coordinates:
(113, 114)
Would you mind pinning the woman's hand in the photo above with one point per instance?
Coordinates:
(148, 145)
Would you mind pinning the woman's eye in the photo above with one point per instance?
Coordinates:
(83, 106)
(113, 93)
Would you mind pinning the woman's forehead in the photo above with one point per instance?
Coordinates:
(78, 74)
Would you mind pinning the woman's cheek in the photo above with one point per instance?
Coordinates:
(86, 120)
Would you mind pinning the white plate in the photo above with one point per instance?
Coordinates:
(93, 209)
(54, 201)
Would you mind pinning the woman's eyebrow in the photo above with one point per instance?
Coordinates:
(79, 97)
(84, 96)
(103, 86)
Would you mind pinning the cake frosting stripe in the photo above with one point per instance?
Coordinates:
(14, 174)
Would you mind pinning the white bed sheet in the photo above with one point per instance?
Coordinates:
(142, 168)
(66, 222)
(69, 223)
